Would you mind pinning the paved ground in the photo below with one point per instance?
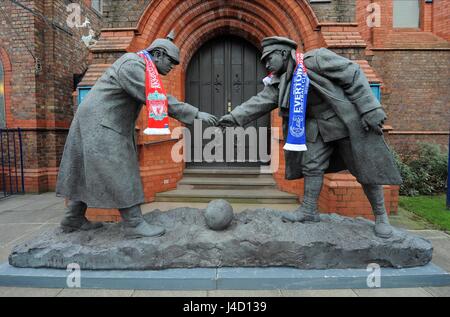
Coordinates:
(22, 217)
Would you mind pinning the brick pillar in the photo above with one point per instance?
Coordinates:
(427, 16)
(342, 194)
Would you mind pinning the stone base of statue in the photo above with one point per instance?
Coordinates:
(257, 238)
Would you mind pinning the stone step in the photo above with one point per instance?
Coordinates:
(225, 172)
(228, 182)
(185, 193)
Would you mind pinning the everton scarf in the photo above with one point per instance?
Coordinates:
(156, 100)
(296, 140)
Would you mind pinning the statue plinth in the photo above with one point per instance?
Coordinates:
(256, 238)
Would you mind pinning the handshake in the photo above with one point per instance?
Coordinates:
(225, 121)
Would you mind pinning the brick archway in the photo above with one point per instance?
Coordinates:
(7, 73)
(196, 21)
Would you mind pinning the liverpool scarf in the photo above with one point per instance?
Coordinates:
(156, 99)
(296, 140)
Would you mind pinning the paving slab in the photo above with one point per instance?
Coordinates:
(14, 202)
(441, 253)
(319, 293)
(41, 204)
(30, 235)
(72, 292)
(28, 292)
(10, 232)
(60, 207)
(244, 293)
(408, 220)
(170, 294)
(442, 260)
(431, 234)
(439, 291)
(4, 254)
(34, 202)
(30, 216)
(397, 292)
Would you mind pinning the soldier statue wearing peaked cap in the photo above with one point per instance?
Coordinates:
(100, 167)
(343, 126)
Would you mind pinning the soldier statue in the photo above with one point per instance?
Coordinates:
(99, 166)
(343, 126)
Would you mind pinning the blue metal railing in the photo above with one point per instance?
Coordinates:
(12, 178)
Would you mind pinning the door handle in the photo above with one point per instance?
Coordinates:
(229, 108)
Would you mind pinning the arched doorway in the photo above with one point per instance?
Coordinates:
(222, 74)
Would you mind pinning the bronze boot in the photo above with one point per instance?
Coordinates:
(308, 210)
(75, 218)
(135, 225)
(375, 194)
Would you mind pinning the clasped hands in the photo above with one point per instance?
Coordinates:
(372, 120)
(225, 121)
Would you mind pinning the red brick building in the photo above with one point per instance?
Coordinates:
(402, 45)
(41, 55)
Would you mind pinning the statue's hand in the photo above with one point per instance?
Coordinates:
(207, 118)
(373, 120)
(227, 121)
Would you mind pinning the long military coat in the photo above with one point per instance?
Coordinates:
(341, 83)
(100, 164)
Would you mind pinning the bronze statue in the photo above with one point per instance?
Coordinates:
(100, 167)
(343, 126)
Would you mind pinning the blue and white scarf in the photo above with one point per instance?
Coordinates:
(296, 140)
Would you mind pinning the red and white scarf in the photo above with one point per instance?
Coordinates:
(156, 99)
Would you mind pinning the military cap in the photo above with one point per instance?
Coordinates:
(274, 43)
(167, 44)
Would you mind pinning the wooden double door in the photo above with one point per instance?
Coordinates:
(222, 74)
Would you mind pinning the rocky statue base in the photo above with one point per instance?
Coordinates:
(257, 238)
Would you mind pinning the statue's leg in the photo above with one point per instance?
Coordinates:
(314, 164)
(135, 225)
(375, 195)
(308, 210)
(75, 218)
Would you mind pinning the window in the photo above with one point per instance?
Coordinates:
(97, 5)
(406, 13)
(82, 92)
(2, 97)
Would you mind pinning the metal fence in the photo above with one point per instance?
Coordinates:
(12, 178)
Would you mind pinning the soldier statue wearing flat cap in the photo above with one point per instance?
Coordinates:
(100, 167)
(343, 126)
